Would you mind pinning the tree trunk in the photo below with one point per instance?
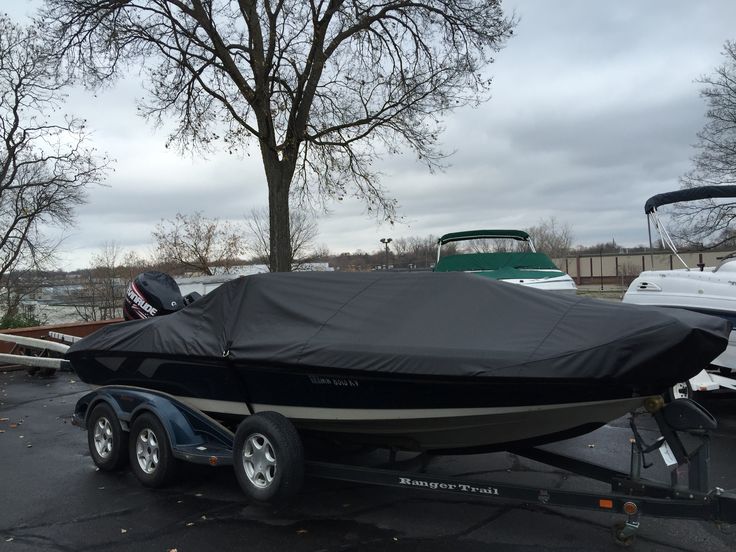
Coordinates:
(279, 169)
(279, 177)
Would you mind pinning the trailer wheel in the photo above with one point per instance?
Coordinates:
(268, 458)
(105, 438)
(151, 460)
(680, 390)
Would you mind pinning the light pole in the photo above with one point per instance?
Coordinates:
(386, 241)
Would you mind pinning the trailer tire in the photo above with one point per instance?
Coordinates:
(268, 458)
(107, 443)
(151, 460)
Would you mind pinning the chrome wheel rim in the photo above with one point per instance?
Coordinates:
(680, 390)
(147, 450)
(259, 460)
(103, 437)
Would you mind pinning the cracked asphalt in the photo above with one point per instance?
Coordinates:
(53, 498)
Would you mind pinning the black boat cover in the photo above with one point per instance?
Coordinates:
(688, 194)
(439, 324)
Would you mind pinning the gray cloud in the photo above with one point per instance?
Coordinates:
(594, 109)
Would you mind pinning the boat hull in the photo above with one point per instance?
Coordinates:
(459, 428)
(418, 413)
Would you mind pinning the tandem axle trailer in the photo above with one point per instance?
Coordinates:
(153, 431)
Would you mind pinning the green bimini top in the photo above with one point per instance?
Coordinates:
(479, 234)
(501, 266)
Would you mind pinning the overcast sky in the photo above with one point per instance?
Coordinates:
(595, 108)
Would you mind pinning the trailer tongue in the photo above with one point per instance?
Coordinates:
(630, 494)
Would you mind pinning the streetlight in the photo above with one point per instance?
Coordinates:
(386, 241)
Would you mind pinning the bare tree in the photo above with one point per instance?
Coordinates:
(711, 222)
(198, 244)
(16, 287)
(303, 231)
(102, 288)
(134, 264)
(420, 251)
(552, 237)
(321, 86)
(101, 294)
(45, 161)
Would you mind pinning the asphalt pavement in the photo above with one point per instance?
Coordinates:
(53, 498)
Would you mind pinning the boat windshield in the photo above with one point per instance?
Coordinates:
(491, 245)
(485, 250)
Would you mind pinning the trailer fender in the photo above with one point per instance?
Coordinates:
(179, 421)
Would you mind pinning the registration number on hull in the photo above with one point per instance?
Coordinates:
(337, 382)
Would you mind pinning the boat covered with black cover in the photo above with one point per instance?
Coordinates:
(416, 360)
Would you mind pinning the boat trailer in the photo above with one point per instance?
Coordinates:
(194, 437)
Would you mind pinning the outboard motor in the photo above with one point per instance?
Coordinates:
(152, 294)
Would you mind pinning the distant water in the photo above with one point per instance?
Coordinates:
(58, 314)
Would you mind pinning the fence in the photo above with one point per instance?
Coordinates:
(621, 269)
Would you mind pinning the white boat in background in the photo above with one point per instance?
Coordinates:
(709, 290)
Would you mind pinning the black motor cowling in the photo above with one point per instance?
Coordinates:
(151, 294)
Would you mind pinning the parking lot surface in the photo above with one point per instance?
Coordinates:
(53, 498)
